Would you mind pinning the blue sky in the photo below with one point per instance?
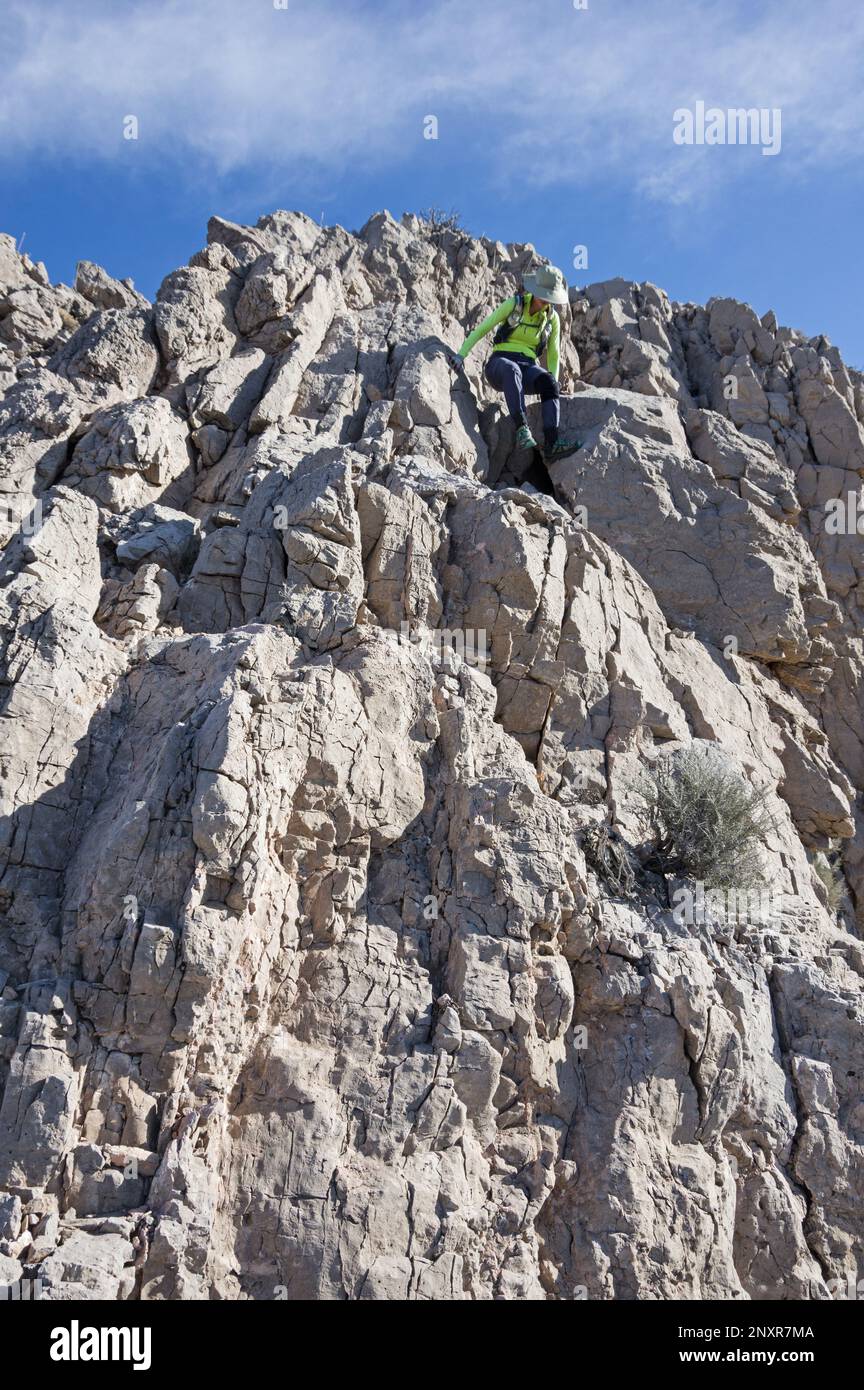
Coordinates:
(555, 126)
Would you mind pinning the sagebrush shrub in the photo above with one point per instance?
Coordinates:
(831, 876)
(704, 820)
(439, 220)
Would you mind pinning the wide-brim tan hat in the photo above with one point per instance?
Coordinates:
(546, 283)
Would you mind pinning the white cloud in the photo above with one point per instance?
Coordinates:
(540, 94)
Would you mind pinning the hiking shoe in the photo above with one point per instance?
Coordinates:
(560, 449)
(525, 439)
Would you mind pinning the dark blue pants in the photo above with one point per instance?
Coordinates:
(517, 376)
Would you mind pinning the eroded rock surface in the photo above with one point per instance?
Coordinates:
(312, 982)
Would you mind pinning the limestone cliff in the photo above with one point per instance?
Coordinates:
(316, 979)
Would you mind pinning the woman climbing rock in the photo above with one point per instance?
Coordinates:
(527, 327)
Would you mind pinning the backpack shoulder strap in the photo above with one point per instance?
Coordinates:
(546, 330)
(513, 318)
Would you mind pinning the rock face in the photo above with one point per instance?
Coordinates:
(313, 982)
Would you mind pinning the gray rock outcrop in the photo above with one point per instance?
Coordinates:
(314, 983)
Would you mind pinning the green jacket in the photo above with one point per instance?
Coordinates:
(523, 338)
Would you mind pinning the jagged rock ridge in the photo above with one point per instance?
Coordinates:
(307, 987)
